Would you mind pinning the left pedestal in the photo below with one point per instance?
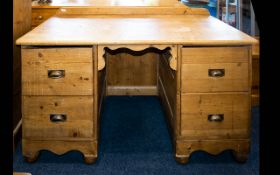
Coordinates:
(58, 101)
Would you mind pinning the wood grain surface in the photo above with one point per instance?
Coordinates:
(195, 109)
(79, 121)
(165, 29)
(76, 62)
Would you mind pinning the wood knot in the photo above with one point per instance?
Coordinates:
(40, 54)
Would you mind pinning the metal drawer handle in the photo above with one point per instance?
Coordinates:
(58, 118)
(216, 72)
(40, 17)
(216, 117)
(55, 74)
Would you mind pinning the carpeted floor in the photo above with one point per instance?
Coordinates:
(135, 140)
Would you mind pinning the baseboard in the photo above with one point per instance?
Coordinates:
(132, 90)
(17, 134)
(17, 173)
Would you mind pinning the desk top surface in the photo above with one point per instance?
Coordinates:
(127, 29)
(108, 3)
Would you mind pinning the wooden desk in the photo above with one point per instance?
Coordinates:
(199, 67)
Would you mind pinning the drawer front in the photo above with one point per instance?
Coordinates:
(215, 55)
(215, 77)
(57, 71)
(41, 15)
(212, 116)
(39, 120)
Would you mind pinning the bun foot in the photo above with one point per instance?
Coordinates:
(239, 157)
(89, 159)
(31, 158)
(182, 160)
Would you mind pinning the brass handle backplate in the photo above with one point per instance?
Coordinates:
(55, 74)
(58, 118)
(216, 72)
(40, 17)
(216, 117)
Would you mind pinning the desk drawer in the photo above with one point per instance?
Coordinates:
(215, 77)
(212, 116)
(202, 55)
(39, 120)
(57, 71)
(40, 15)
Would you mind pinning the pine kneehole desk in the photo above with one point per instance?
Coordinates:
(199, 66)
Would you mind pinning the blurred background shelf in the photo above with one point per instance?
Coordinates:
(237, 13)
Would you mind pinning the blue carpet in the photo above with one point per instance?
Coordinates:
(135, 140)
